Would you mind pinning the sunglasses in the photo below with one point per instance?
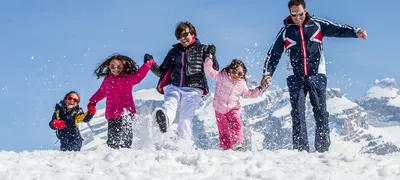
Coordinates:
(294, 14)
(116, 67)
(69, 98)
(234, 72)
(183, 35)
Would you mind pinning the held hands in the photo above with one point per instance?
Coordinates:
(362, 34)
(266, 81)
(211, 49)
(58, 124)
(210, 52)
(147, 57)
(91, 108)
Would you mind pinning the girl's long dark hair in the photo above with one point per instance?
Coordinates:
(130, 67)
(235, 64)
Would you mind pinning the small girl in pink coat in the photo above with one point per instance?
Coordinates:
(120, 75)
(231, 84)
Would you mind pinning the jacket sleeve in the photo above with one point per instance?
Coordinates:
(53, 117)
(83, 117)
(251, 93)
(163, 67)
(159, 70)
(331, 29)
(209, 70)
(141, 73)
(215, 64)
(274, 54)
(155, 69)
(100, 93)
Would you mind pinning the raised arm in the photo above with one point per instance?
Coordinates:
(331, 29)
(155, 69)
(210, 51)
(141, 73)
(100, 93)
(252, 93)
(83, 116)
(159, 70)
(209, 70)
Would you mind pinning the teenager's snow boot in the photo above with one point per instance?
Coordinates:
(161, 121)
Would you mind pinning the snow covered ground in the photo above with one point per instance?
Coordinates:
(342, 162)
(145, 161)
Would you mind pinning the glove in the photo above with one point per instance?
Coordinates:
(211, 49)
(58, 124)
(147, 57)
(91, 108)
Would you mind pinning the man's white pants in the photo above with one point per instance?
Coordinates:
(180, 104)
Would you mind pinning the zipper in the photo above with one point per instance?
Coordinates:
(303, 48)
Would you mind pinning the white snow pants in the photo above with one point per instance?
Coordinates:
(180, 104)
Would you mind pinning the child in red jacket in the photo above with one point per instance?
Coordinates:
(121, 74)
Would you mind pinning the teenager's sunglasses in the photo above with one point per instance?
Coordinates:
(116, 67)
(234, 72)
(69, 98)
(294, 14)
(183, 35)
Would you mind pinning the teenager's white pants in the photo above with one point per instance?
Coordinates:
(180, 105)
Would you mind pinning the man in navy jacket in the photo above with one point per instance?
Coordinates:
(301, 39)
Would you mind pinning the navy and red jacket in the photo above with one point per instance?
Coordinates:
(303, 45)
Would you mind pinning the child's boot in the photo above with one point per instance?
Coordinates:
(237, 147)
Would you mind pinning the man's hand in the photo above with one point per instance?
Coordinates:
(362, 34)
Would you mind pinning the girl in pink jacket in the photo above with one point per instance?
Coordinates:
(231, 84)
(121, 74)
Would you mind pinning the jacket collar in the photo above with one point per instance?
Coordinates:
(179, 45)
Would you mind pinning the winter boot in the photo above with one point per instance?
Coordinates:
(161, 120)
(237, 147)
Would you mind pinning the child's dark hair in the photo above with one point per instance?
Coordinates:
(296, 3)
(235, 64)
(182, 26)
(72, 92)
(130, 67)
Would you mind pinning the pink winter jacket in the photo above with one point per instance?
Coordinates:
(118, 91)
(228, 91)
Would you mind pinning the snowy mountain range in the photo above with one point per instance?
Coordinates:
(383, 101)
(267, 121)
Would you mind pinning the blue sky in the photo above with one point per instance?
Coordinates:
(51, 47)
